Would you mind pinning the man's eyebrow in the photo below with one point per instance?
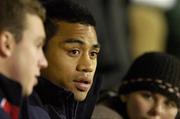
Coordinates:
(73, 40)
(96, 45)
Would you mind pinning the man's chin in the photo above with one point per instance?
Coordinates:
(80, 96)
(26, 92)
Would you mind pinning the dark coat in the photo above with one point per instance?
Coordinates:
(59, 103)
(36, 112)
(10, 94)
(4, 115)
(82, 111)
(18, 106)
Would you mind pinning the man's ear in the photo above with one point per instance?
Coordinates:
(6, 43)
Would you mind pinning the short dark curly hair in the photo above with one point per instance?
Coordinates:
(65, 10)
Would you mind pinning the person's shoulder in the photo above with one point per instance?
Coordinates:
(35, 107)
(34, 99)
(4, 115)
(103, 112)
(36, 112)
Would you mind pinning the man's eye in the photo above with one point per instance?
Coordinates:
(93, 55)
(74, 52)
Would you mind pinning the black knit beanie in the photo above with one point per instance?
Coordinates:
(155, 72)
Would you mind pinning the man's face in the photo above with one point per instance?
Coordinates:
(72, 57)
(27, 57)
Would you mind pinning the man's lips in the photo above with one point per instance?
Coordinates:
(82, 85)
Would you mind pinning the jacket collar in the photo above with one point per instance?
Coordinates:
(52, 94)
(10, 90)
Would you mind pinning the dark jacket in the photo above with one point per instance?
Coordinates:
(59, 103)
(36, 112)
(10, 98)
(16, 106)
(4, 115)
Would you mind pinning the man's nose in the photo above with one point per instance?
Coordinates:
(43, 63)
(85, 63)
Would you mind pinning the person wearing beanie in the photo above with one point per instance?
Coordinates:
(150, 89)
